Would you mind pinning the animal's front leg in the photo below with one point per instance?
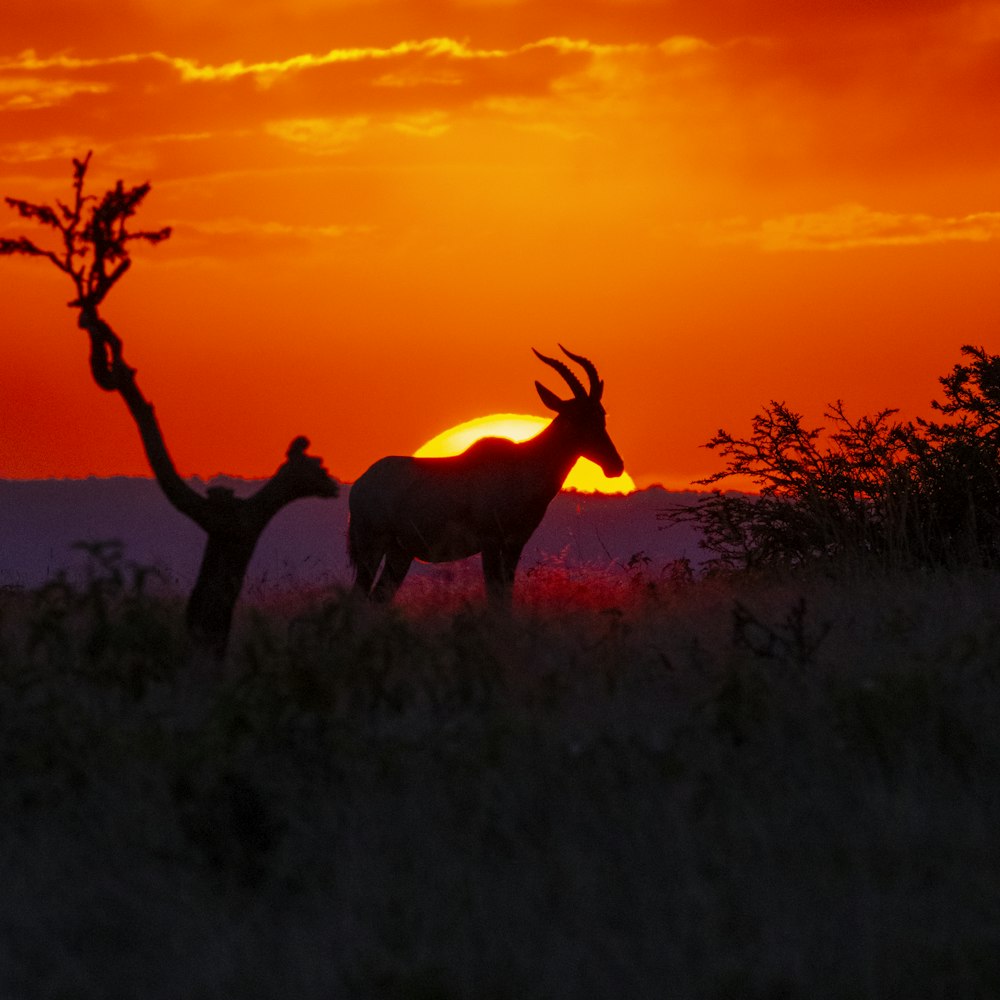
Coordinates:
(499, 563)
(397, 564)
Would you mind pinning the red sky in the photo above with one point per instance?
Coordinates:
(380, 207)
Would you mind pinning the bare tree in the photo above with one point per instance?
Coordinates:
(94, 254)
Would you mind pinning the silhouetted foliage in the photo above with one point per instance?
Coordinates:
(955, 466)
(821, 495)
(872, 490)
(94, 235)
(94, 253)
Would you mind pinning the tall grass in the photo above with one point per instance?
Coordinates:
(632, 785)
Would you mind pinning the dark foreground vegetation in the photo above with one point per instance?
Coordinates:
(634, 785)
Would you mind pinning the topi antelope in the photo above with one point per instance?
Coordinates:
(489, 499)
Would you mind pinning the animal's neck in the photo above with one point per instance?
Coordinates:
(553, 453)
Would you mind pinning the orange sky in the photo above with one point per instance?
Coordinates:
(380, 207)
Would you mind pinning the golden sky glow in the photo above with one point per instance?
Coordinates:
(585, 476)
(379, 208)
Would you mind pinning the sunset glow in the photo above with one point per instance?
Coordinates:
(585, 476)
(380, 208)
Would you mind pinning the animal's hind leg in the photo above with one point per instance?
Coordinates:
(397, 565)
(499, 564)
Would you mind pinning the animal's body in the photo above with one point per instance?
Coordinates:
(489, 499)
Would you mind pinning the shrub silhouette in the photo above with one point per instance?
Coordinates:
(955, 465)
(872, 491)
(94, 254)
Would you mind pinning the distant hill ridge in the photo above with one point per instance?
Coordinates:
(40, 520)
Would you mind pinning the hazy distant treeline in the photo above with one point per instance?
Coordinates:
(40, 520)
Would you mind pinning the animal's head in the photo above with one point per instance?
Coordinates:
(583, 416)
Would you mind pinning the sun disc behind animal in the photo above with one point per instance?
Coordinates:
(585, 476)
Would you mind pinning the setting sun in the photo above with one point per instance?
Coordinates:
(585, 475)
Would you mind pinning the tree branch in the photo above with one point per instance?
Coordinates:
(112, 374)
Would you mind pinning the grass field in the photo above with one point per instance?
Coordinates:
(635, 785)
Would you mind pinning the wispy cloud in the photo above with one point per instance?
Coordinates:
(267, 71)
(325, 103)
(320, 136)
(240, 238)
(31, 92)
(428, 125)
(190, 70)
(237, 226)
(851, 226)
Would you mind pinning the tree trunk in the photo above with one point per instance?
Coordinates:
(210, 607)
(233, 524)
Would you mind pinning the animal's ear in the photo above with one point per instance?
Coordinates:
(549, 398)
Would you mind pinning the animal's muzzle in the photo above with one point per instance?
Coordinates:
(613, 467)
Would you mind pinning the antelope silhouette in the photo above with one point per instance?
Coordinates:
(489, 499)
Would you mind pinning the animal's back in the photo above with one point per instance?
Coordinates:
(438, 509)
(377, 490)
(392, 484)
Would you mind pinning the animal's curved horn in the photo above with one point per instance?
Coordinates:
(596, 384)
(572, 381)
